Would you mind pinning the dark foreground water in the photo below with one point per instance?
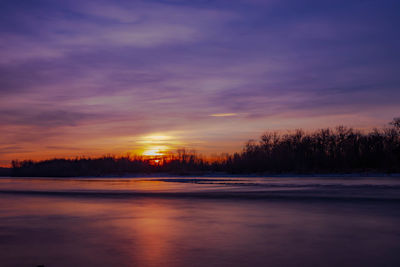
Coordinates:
(200, 222)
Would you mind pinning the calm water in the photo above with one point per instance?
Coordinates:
(200, 222)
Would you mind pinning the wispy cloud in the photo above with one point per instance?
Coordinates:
(224, 115)
(97, 74)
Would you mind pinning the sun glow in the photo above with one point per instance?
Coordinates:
(154, 139)
(155, 151)
(157, 144)
(152, 152)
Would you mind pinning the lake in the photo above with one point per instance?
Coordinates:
(205, 221)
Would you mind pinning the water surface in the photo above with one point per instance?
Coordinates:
(225, 221)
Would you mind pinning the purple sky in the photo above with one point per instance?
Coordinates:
(96, 77)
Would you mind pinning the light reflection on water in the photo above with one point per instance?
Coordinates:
(156, 231)
(191, 184)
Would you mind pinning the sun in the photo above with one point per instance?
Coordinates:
(157, 144)
(155, 151)
(152, 152)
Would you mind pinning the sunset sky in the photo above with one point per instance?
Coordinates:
(96, 77)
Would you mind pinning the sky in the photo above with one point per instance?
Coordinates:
(114, 77)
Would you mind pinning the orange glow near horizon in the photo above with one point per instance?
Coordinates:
(152, 152)
(157, 144)
(155, 150)
(211, 141)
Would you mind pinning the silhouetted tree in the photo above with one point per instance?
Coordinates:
(396, 123)
(328, 150)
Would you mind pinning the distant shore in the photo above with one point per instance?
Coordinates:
(327, 152)
(221, 175)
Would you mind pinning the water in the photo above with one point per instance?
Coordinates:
(200, 222)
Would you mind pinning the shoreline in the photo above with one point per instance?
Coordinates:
(223, 175)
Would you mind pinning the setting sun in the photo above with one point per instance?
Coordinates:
(157, 144)
(155, 150)
(152, 152)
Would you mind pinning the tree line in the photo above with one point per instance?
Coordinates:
(330, 150)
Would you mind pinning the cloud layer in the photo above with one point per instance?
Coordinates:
(95, 77)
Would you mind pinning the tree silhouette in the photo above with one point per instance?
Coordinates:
(337, 150)
(396, 123)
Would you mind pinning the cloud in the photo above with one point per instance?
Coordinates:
(224, 115)
(96, 74)
(43, 118)
(83, 27)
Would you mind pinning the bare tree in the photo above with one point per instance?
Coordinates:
(396, 123)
